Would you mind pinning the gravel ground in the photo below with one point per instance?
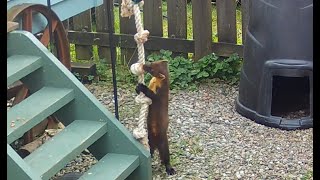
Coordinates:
(210, 140)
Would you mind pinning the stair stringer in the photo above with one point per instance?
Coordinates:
(85, 105)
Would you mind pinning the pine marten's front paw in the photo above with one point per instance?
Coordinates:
(141, 88)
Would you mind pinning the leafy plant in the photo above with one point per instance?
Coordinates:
(186, 73)
(78, 76)
(90, 77)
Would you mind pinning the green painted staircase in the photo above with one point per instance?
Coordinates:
(55, 90)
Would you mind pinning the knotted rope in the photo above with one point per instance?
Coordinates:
(129, 8)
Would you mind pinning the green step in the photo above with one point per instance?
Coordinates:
(31, 111)
(19, 66)
(52, 156)
(111, 167)
(17, 168)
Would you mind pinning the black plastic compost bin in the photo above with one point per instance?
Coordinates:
(276, 83)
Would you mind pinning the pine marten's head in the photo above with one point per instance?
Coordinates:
(157, 69)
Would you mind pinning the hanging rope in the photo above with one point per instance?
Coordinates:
(129, 8)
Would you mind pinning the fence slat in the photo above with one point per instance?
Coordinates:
(177, 19)
(202, 27)
(152, 17)
(245, 4)
(82, 22)
(127, 26)
(226, 20)
(102, 26)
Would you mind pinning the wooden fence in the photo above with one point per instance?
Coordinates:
(80, 29)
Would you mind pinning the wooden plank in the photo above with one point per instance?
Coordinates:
(82, 22)
(112, 166)
(177, 19)
(155, 43)
(65, 146)
(127, 26)
(84, 69)
(226, 49)
(202, 27)
(245, 5)
(152, 19)
(11, 26)
(102, 26)
(226, 21)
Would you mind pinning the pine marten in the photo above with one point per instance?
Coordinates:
(158, 118)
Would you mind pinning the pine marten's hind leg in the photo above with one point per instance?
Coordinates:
(164, 154)
(152, 144)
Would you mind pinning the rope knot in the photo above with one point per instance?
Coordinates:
(141, 37)
(139, 133)
(137, 69)
(143, 99)
(127, 8)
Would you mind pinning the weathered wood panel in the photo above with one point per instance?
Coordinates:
(152, 19)
(202, 27)
(82, 22)
(177, 19)
(156, 43)
(245, 4)
(102, 26)
(127, 26)
(226, 20)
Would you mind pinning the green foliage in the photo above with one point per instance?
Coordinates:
(308, 175)
(186, 73)
(227, 69)
(78, 76)
(84, 78)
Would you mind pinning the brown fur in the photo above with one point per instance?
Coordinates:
(158, 118)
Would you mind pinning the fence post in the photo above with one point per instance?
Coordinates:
(245, 5)
(202, 27)
(226, 21)
(177, 19)
(82, 22)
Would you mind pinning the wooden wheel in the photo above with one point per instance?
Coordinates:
(60, 49)
(25, 12)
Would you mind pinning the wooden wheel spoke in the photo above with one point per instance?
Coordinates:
(45, 39)
(27, 20)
